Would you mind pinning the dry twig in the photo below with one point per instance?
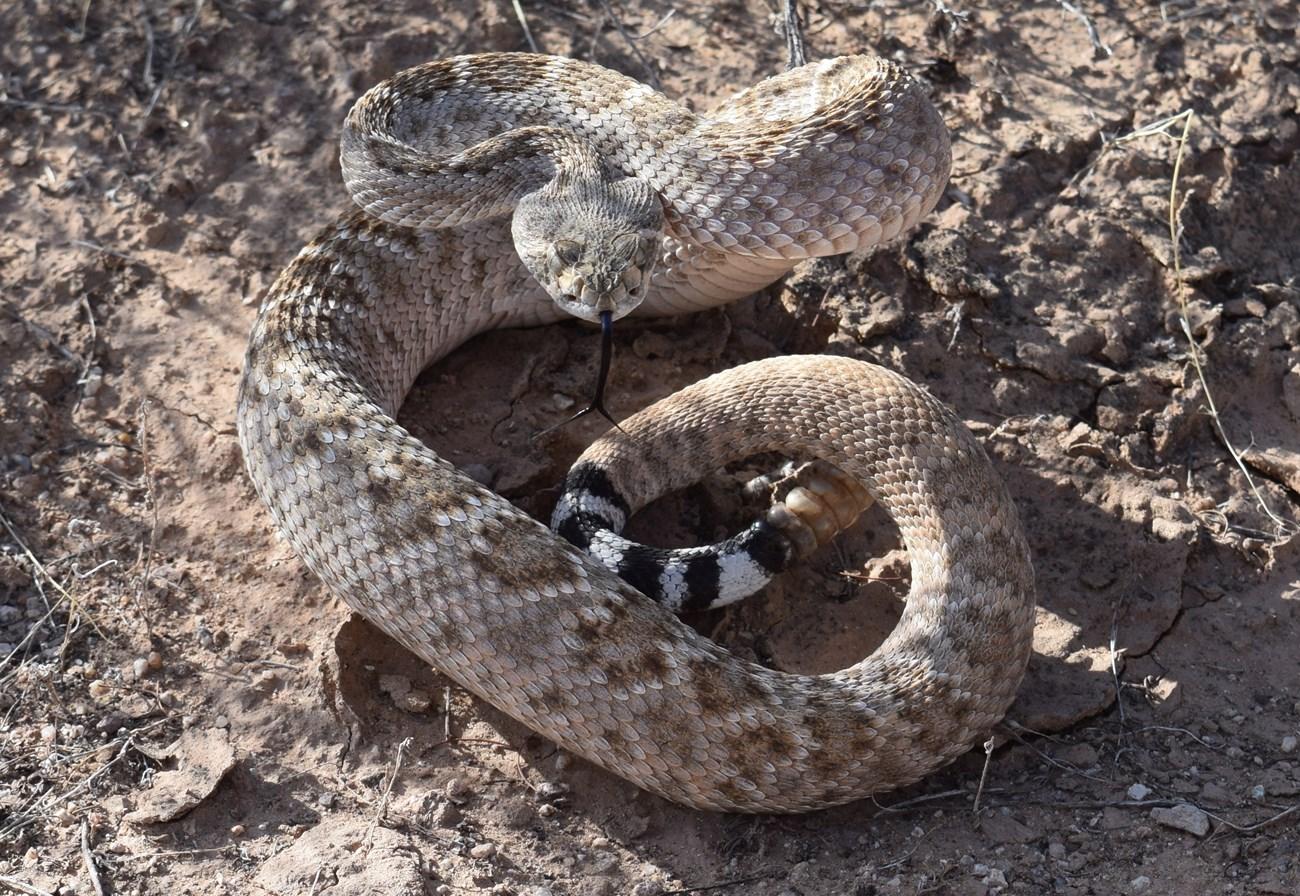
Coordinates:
(88, 858)
(523, 23)
(1100, 50)
(651, 74)
(792, 27)
(18, 886)
(984, 775)
(382, 808)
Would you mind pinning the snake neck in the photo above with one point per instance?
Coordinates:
(805, 164)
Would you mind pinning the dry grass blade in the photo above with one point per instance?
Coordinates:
(1283, 529)
(39, 571)
(382, 809)
(523, 23)
(1165, 128)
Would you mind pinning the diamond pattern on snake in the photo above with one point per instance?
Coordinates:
(512, 190)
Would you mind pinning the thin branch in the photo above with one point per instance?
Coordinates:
(632, 43)
(88, 858)
(984, 775)
(1284, 527)
(523, 23)
(685, 891)
(382, 808)
(792, 26)
(1100, 50)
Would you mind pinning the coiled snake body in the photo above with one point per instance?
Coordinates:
(508, 189)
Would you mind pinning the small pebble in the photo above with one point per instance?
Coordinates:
(549, 790)
(154, 660)
(94, 379)
(599, 843)
(49, 733)
(1257, 792)
(447, 814)
(237, 830)
(483, 851)
(31, 857)
(1183, 817)
(1138, 791)
(99, 689)
(1139, 884)
(1288, 744)
(547, 811)
(140, 668)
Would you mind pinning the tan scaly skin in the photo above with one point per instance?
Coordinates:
(617, 199)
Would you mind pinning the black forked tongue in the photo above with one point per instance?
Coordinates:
(597, 403)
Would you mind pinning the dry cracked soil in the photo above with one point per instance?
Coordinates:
(183, 709)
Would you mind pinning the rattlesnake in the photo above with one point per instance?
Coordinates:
(508, 189)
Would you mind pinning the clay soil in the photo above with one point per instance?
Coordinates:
(185, 710)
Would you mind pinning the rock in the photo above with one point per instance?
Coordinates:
(483, 851)
(1138, 792)
(1183, 817)
(447, 814)
(1079, 755)
(1113, 819)
(1279, 782)
(1288, 744)
(1139, 884)
(1006, 829)
(1291, 391)
(389, 867)
(549, 790)
(1216, 793)
(203, 757)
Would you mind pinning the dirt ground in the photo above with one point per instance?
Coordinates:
(184, 710)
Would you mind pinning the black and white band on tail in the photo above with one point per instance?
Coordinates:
(811, 503)
(591, 514)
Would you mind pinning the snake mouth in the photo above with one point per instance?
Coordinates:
(592, 306)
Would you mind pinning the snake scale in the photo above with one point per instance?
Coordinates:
(508, 190)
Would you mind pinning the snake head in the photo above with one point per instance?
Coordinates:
(591, 243)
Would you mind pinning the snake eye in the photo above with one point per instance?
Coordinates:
(624, 247)
(567, 251)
